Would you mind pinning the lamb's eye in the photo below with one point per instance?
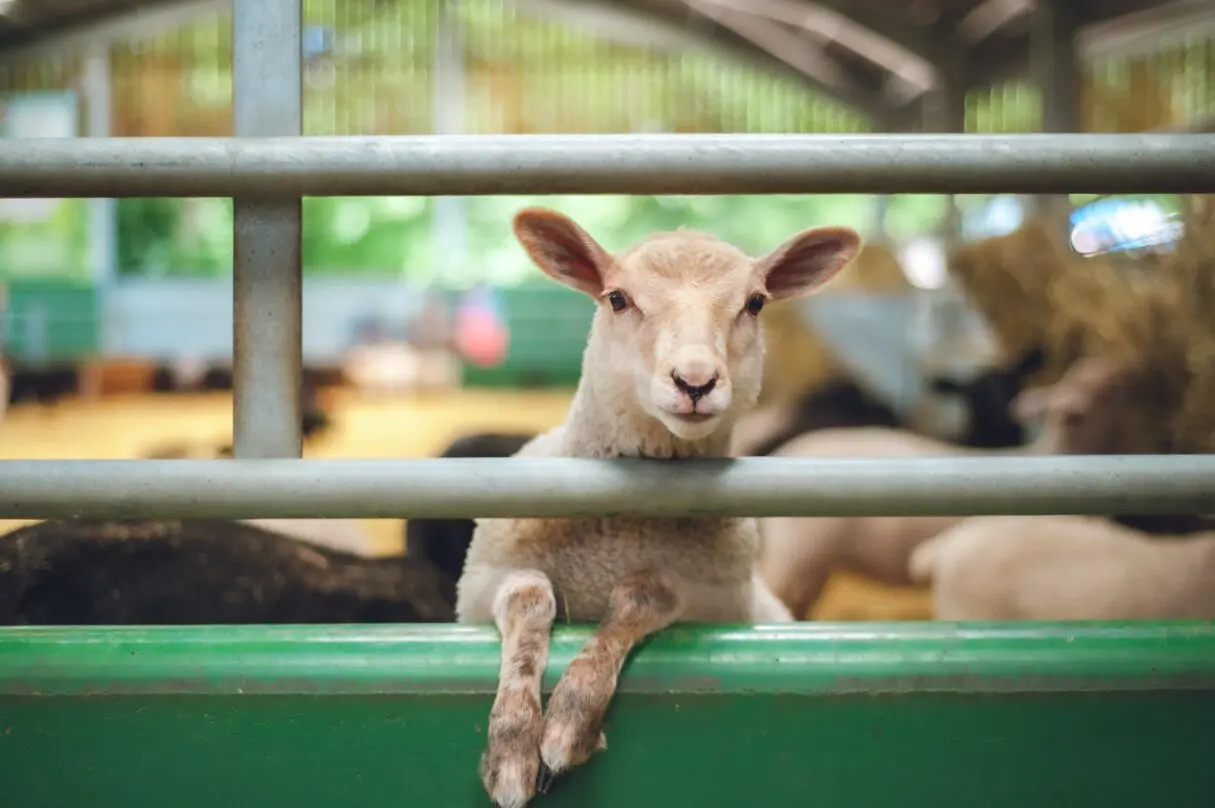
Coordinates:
(618, 301)
(755, 304)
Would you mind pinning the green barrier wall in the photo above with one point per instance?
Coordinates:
(803, 715)
(548, 328)
(50, 321)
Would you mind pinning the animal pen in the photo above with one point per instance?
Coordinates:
(931, 713)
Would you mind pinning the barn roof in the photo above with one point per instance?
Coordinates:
(876, 56)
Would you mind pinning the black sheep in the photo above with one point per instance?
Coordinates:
(836, 405)
(988, 397)
(204, 572)
(44, 385)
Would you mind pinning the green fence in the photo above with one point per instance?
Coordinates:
(908, 716)
(50, 321)
(548, 328)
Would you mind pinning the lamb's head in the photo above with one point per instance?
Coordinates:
(677, 316)
(1085, 412)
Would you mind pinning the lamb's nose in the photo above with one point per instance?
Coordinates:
(694, 390)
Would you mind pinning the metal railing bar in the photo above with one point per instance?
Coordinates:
(555, 487)
(481, 165)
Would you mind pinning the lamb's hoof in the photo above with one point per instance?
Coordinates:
(509, 783)
(511, 762)
(565, 747)
(573, 724)
(544, 778)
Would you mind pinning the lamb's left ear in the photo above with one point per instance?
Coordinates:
(808, 260)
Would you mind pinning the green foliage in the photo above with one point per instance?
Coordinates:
(1014, 106)
(911, 215)
(754, 223)
(174, 237)
(54, 245)
(370, 236)
(378, 236)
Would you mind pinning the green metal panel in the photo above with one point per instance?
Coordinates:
(548, 328)
(836, 715)
(50, 321)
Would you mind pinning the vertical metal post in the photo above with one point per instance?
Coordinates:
(97, 84)
(449, 223)
(881, 202)
(944, 111)
(1056, 71)
(267, 288)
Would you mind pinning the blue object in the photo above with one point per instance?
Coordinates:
(869, 334)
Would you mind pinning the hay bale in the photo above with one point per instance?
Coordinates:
(1158, 318)
(1112, 313)
(1155, 316)
(1177, 323)
(1008, 279)
(876, 270)
(797, 357)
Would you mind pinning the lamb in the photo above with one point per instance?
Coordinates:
(674, 354)
(1081, 415)
(1065, 568)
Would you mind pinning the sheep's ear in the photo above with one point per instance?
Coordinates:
(808, 260)
(1067, 407)
(562, 249)
(1030, 404)
(1088, 383)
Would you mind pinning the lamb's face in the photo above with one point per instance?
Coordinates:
(679, 320)
(1086, 411)
(677, 323)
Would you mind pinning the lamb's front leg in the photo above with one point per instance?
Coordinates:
(639, 606)
(524, 608)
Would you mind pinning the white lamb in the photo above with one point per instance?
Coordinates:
(1065, 568)
(1081, 414)
(674, 355)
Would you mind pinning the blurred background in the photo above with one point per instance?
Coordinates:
(423, 320)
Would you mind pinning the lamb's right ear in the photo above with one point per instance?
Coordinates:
(561, 248)
(809, 260)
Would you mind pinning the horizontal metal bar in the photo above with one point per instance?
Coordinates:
(456, 487)
(480, 165)
(813, 659)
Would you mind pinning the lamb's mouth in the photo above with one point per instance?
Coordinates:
(694, 417)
